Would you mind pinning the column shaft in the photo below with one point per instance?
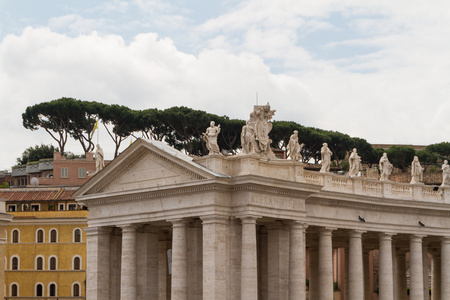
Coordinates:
(297, 276)
(445, 267)
(97, 264)
(179, 260)
(215, 269)
(426, 281)
(386, 278)
(249, 271)
(128, 282)
(313, 273)
(436, 277)
(278, 263)
(356, 272)
(401, 277)
(325, 264)
(367, 275)
(416, 269)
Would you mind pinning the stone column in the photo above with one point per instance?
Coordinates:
(263, 262)
(436, 277)
(249, 271)
(179, 260)
(297, 276)
(128, 278)
(401, 276)
(416, 268)
(386, 277)
(195, 259)
(367, 275)
(314, 273)
(445, 266)
(115, 262)
(215, 269)
(164, 244)
(97, 263)
(278, 263)
(426, 281)
(235, 257)
(147, 268)
(356, 272)
(325, 264)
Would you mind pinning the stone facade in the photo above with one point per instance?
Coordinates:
(166, 226)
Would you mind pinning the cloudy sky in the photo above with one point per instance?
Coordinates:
(374, 69)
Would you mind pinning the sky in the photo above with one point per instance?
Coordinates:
(374, 69)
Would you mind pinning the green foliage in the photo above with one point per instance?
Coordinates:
(32, 154)
(4, 185)
(427, 158)
(441, 149)
(401, 156)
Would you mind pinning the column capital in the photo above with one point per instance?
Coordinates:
(214, 219)
(178, 222)
(297, 224)
(416, 238)
(247, 219)
(356, 233)
(445, 239)
(384, 236)
(98, 230)
(327, 230)
(129, 227)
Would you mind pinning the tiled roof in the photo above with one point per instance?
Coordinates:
(37, 194)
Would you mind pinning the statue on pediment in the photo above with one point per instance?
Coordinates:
(416, 171)
(326, 158)
(99, 159)
(210, 138)
(294, 147)
(445, 173)
(385, 167)
(354, 163)
(255, 133)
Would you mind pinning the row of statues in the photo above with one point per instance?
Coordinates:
(255, 140)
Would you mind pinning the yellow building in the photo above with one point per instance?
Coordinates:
(46, 244)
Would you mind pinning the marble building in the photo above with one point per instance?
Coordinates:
(163, 225)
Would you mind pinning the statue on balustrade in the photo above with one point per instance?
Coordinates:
(99, 159)
(416, 171)
(385, 167)
(210, 138)
(445, 173)
(255, 134)
(294, 147)
(354, 163)
(326, 158)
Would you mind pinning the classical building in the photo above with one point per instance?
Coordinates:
(163, 225)
(45, 253)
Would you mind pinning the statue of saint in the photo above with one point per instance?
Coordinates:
(416, 171)
(294, 147)
(326, 158)
(445, 173)
(210, 137)
(255, 134)
(99, 159)
(355, 163)
(385, 167)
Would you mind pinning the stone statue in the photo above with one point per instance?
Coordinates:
(326, 158)
(255, 134)
(294, 147)
(99, 159)
(445, 173)
(210, 137)
(416, 171)
(385, 167)
(355, 163)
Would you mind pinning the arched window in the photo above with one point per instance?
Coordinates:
(77, 263)
(39, 290)
(76, 290)
(52, 263)
(14, 290)
(53, 236)
(15, 235)
(15, 263)
(77, 235)
(52, 289)
(40, 236)
(39, 263)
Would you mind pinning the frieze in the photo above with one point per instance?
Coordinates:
(374, 207)
(276, 202)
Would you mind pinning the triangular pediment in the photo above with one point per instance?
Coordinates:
(146, 164)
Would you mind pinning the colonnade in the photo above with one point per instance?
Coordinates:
(217, 257)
